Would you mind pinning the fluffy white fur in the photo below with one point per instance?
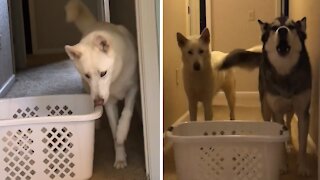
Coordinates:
(201, 75)
(106, 59)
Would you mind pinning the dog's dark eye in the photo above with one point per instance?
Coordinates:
(201, 51)
(103, 73)
(291, 27)
(87, 76)
(274, 28)
(190, 52)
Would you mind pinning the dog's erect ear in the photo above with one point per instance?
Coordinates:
(182, 40)
(73, 52)
(102, 43)
(205, 36)
(303, 24)
(263, 26)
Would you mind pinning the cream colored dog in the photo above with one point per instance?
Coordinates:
(106, 58)
(201, 76)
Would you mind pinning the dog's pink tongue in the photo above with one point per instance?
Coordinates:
(98, 102)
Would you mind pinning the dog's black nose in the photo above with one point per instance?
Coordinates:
(196, 66)
(283, 32)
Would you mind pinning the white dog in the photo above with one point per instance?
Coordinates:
(106, 59)
(201, 75)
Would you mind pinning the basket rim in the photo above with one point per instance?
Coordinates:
(95, 114)
(225, 138)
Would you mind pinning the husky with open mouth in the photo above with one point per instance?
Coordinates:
(284, 76)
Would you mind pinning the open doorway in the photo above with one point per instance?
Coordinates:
(40, 32)
(39, 41)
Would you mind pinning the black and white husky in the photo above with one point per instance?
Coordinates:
(284, 76)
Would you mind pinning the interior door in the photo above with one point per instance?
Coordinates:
(6, 60)
(194, 17)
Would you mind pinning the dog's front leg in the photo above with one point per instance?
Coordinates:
(301, 106)
(303, 129)
(208, 114)
(266, 110)
(289, 144)
(113, 116)
(192, 109)
(126, 115)
(278, 117)
(231, 99)
(123, 128)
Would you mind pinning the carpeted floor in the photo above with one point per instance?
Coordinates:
(62, 78)
(57, 78)
(247, 113)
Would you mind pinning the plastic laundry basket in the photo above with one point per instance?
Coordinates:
(47, 137)
(228, 150)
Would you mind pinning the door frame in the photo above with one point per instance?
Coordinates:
(197, 23)
(7, 85)
(149, 70)
(149, 65)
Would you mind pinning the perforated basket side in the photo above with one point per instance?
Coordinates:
(59, 150)
(221, 161)
(47, 151)
(56, 105)
(18, 154)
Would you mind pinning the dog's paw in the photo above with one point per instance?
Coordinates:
(232, 116)
(303, 170)
(120, 164)
(121, 157)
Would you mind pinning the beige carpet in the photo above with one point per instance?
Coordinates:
(247, 113)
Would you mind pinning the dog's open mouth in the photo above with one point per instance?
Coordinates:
(283, 48)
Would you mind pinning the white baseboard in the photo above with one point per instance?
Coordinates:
(243, 98)
(7, 86)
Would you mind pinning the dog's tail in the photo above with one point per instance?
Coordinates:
(244, 58)
(77, 12)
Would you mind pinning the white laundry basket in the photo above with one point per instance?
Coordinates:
(47, 137)
(228, 150)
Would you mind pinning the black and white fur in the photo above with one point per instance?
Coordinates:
(284, 76)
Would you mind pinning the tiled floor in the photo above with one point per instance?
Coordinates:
(247, 113)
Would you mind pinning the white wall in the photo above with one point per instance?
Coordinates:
(174, 100)
(310, 9)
